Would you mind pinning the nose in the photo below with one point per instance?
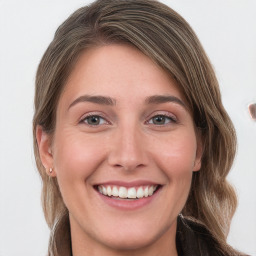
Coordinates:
(128, 150)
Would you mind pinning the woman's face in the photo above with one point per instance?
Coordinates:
(123, 132)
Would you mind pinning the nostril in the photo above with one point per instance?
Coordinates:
(118, 165)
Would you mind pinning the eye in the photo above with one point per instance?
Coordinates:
(94, 120)
(161, 120)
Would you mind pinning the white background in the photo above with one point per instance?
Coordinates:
(227, 30)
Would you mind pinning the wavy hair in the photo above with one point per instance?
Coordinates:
(163, 35)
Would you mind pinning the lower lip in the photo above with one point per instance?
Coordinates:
(124, 204)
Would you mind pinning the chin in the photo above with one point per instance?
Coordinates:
(135, 237)
(128, 242)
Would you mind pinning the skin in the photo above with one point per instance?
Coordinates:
(128, 145)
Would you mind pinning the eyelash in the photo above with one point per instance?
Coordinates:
(171, 118)
(85, 120)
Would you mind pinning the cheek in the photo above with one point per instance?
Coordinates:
(177, 162)
(177, 155)
(180, 158)
(76, 157)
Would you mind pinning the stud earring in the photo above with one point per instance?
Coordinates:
(50, 170)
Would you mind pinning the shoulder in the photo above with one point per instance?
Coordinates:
(194, 239)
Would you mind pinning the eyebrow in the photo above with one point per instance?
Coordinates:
(102, 100)
(158, 99)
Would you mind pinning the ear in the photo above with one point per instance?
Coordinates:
(199, 152)
(45, 151)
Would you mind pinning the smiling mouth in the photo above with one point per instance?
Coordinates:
(131, 193)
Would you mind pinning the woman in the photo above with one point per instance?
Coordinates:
(131, 139)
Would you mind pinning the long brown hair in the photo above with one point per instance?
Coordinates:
(164, 36)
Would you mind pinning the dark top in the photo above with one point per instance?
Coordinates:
(193, 239)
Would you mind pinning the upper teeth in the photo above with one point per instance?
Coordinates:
(123, 192)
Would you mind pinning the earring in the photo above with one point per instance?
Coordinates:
(50, 170)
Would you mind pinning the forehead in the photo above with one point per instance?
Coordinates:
(119, 71)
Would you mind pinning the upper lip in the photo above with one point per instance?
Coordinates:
(127, 184)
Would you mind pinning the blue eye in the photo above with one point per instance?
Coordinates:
(94, 120)
(161, 120)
